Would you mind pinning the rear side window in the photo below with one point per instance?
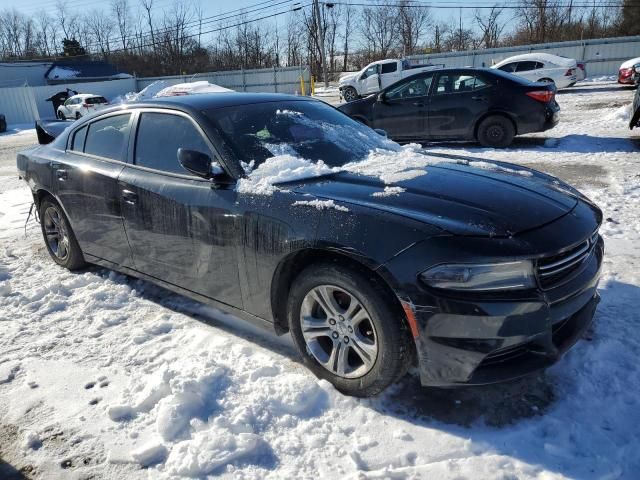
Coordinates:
(78, 140)
(458, 83)
(95, 100)
(389, 67)
(526, 66)
(509, 67)
(108, 137)
(159, 137)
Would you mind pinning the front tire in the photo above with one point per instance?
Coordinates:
(78, 115)
(58, 236)
(350, 94)
(347, 330)
(61, 115)
(496, 131)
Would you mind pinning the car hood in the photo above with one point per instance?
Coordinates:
(457, 197)
(347, 78)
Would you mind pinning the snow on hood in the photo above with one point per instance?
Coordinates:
(191, 88)
(409, 162)
(630, 63)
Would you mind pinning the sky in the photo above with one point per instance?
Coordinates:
(216, 7)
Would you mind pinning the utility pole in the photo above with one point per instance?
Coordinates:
(321, 33)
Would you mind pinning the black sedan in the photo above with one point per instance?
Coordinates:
(375, 257)
(486, 105)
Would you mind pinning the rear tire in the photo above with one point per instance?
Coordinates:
(58, 236)
(349, 94)
(78, 115)
(347, 330)
(546, 80)
(496, 131)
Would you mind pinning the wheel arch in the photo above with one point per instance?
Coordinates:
(289, 268)
(492, 114)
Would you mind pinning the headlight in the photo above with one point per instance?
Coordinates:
(493, 276)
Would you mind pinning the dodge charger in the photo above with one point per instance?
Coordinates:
(289, 214)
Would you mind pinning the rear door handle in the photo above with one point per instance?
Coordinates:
(419, 104)
(479, 98)
(129, 197)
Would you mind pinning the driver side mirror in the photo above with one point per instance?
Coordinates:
(200, 164)
(382, 98)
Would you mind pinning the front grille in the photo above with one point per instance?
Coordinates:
(556, 269)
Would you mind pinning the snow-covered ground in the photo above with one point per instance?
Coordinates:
(104, 376)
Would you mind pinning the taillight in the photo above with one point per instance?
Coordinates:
(570, 72)
(544, 96)
(581, 66)
(625, 72)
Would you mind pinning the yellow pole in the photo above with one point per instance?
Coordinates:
(313, 85)
(302, 85)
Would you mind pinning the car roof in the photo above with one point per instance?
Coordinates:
(544, 57)
(85, 95)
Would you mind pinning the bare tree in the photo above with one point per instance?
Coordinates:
(412, 22)
(378, 27)
(490, 25)
(120, 10)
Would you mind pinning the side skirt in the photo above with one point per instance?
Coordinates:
(244, 315)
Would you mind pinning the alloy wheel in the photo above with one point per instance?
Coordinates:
(56, 233)
(338, 331)
(350, 95)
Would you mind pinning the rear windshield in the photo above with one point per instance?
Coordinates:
(95, 100)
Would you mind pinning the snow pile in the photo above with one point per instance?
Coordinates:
(389, 192)
(391, 167)
(621, 114)
(282, 168)
(599, 79)
(192, 88)
(321, 204)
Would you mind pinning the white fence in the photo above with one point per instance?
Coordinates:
(601, 56)
(26, 104)
(18, 105)
(278, 80)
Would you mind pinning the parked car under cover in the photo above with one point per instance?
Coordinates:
(542, 67)
(476, 273)
(82, 104)
(486, 105)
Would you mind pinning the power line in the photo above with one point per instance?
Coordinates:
(216, 19)
(150, 44)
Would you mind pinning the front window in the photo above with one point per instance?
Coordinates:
(372, 70)
(304, 129)
(417, 87)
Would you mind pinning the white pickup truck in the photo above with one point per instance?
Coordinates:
(378, 75)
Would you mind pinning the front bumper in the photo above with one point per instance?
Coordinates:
(462, 340)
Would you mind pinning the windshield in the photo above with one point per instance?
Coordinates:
(310, 130)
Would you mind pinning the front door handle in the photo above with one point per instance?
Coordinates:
(479, 98)
(419, 104)
(129, 197)
(61, 174)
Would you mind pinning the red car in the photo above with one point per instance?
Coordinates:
(625, 73)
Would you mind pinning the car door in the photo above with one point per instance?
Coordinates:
(389, 74)
(457, 100)
(371, 80)
(181, 229)
(85, 182)
(402, 109)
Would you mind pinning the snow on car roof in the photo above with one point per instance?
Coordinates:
(191, 89)
(630, 63)
(544, 57)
